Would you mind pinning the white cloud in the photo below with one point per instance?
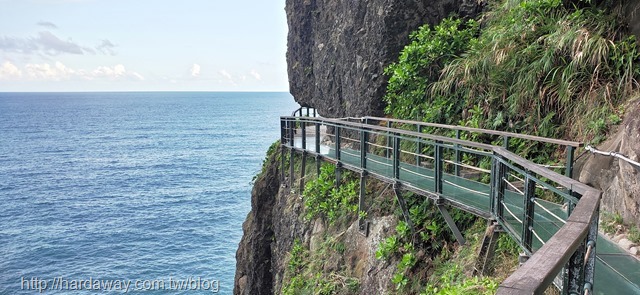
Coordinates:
(47, 25)
(228, 78)
(137, 76)
(58, 72)
(9, 71)
(49, 44)
(195, 70)
(53, 45)
(106, 47)
(256, 75)
(226, 74)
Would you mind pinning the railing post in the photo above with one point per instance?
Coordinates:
(389, 142)
(337, 142)
(303, 134)
(419, 147)
(529, 205)
(396, 157)
(574, 272)
(317, 148)
(283, 134)
(590, 259)
(303, 169)
(458, 159)
(363, 149)
(505, 142)
(499, 188)
(291, 154)
(437, 170)
(338, 164)
(569, 165)
(282, 131)
(493, 184)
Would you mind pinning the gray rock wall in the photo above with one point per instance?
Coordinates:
(618, 180)
(337, 50)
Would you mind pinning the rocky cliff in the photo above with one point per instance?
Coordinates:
(618, 180)
(337, 50)
(276, 222)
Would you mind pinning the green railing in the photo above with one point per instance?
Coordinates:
(551, 216)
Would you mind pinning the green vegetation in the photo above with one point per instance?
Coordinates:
(323, 198)
(273, 150)
(611, 223)
(634, 234)
(419, 66)
(414, 252)
(543, 67)
(453, 281)
(305, 273)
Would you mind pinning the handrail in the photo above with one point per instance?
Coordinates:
(593, 150)
(569, 183)
(299, 110)
(566, 248)
(359, 126)
(486, 131)
(534, 276)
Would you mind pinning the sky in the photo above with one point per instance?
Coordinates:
(143, 45)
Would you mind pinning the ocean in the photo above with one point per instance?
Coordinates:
(145, 190)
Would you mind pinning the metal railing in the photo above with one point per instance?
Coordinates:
(616, 155)
(551, 216)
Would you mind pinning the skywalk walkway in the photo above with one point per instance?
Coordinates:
(551, 216)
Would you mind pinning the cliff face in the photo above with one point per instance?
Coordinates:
(337, 50)
(276, 222)
(618, 180)
(253, 258)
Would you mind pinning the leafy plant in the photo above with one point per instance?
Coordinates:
(387, 247)
(323, 198)
(634, 234)
(419, 65)
(610, 222)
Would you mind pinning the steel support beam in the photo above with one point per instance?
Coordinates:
(452, 224)
(303, 170)
(487, 249)
(363, 225)
(405, 210)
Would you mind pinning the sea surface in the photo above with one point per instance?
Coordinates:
(101, 189)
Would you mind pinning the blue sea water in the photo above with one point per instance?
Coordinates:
(139, 187)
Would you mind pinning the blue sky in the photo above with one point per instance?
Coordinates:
(142, 45)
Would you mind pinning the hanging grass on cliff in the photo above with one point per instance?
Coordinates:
(537, 67)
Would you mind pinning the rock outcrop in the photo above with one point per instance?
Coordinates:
(276, 222)
(253, 258)
(337, 50)
(618, 180)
